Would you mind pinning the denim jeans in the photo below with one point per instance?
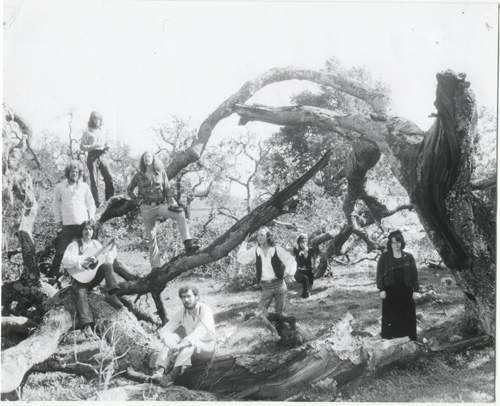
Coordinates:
(149, 215)
(273, 289)
(97, 161)
(81, 290)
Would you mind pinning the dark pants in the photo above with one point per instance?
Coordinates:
(306, 278)
(97, 161)
(83, 310)
(67, 235)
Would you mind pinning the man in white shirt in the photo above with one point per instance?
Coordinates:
(94, 142)
(88, 269)
(72, 205)
(273, 264)
(198, 343)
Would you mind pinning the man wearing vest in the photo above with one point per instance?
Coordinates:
(272, 264)
(78, 257)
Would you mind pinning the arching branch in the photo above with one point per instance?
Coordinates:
(378, 101)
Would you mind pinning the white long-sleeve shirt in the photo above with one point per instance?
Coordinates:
(245, 256)
(73, 203)
(72, 258)
(201, 327)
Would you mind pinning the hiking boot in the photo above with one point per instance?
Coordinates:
(305, 295)
(191, 246)
(113, 301)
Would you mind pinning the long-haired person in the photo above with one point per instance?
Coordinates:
(397, 280)
(272, 264)
(78, 259)
(94, 142)
(156, 199)
(72, 204)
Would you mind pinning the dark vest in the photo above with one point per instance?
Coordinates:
(278, 266)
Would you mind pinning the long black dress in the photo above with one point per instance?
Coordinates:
(398, 308)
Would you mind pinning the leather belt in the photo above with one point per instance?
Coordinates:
(153, 203)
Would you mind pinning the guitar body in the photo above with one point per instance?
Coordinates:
(86, 275)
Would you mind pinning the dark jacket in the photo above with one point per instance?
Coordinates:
(385, 271)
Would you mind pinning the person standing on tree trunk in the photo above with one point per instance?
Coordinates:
(78, 259)
(272, 264)
(305, 258)
(94, 142)
(197, 341)
(156, 199)
(72, 204)
(397, 280)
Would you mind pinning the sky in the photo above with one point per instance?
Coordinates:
(139, 62)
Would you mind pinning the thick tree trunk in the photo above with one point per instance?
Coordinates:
(119, 327)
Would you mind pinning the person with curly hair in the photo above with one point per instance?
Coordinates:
(72, 204)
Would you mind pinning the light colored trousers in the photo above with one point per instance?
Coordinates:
(149, 215)
(201, 350)
(273, 289)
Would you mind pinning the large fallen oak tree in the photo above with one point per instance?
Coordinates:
(434, 167)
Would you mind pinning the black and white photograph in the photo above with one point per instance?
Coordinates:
(281, 201)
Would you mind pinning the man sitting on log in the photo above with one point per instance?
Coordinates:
(196, 342)
(88, 262)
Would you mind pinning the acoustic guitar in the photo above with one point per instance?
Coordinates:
(88, 272)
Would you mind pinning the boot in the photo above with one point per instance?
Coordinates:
(113, 301)
(191, 246)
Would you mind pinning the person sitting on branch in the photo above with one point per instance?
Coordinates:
(155, 199)
(88, 263)
(272, 264)
(196, 342)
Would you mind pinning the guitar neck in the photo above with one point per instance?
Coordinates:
(103, 248)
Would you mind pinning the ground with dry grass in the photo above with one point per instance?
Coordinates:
(439, 377)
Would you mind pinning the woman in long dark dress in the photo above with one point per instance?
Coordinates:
(397, 280)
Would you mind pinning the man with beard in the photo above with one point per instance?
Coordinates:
(196, 342)
(72, 205)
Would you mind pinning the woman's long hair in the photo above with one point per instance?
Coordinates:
(157, 164)
(269, 235)
(398, 236)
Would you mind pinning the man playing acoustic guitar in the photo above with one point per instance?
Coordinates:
(88, 262)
